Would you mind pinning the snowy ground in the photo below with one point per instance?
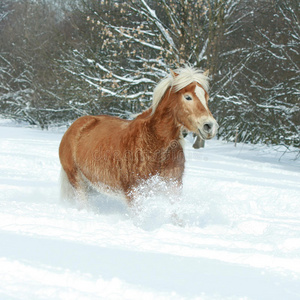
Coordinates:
(241, 238)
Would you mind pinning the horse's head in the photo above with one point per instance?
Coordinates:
(193, 112)
(185, 93)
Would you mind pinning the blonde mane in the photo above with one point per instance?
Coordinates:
(184, 77)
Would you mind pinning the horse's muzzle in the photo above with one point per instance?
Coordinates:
(208, 129)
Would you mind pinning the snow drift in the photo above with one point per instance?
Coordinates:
(240, 236)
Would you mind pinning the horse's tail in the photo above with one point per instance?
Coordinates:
(67, 191)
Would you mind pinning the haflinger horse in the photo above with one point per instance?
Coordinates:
(116, 155)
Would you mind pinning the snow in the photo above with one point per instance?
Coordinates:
(240, 237)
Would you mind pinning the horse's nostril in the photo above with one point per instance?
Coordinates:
(208, 127)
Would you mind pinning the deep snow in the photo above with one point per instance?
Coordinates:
(240, 239)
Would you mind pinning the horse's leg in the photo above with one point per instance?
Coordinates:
(133, 201)
(175, 199)
(73, 186)
(130, 195)
(80, 188)
(67, 190)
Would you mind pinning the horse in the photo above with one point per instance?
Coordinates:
(116, 155)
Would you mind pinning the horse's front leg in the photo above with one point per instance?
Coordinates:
(176, 202)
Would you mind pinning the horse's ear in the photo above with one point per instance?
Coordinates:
(173, 73)
(206, 73)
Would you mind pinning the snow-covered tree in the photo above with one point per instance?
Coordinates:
(29, 44)
(258, 91)
(136, 42)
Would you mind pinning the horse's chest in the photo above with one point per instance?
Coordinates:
(169, 159)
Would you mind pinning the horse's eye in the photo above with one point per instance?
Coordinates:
(188, 97)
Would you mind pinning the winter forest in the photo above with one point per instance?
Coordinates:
(61, 59)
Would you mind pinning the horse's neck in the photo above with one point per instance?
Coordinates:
(163, 126)
(159, 126)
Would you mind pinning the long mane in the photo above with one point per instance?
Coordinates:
(185, 76)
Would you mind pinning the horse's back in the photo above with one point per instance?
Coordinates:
(87, 124)
(89, 130)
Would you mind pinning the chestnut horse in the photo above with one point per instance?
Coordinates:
(117, 155)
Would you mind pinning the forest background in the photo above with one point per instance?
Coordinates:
(61, 59)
